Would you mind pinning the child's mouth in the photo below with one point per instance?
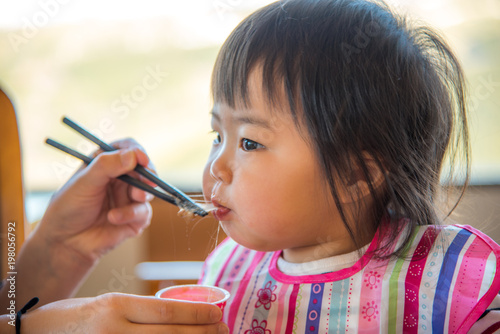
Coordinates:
(221, 211)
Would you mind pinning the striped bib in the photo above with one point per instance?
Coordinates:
(442, 284)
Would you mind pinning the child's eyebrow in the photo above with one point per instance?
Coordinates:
(244, 119)
(214, 114)
(253, 121)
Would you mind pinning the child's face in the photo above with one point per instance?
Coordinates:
(265, 178)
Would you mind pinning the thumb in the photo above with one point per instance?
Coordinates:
(109, 165)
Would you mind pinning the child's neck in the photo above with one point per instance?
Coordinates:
(320, 251)
(333, 245)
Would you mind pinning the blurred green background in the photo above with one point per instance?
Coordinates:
(142, 70)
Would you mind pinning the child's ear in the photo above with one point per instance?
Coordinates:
(357, 186)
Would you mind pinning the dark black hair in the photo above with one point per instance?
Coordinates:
(362, 79)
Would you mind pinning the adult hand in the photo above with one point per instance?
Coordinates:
(123, 313)
(93, 212)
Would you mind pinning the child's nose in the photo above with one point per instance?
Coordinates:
(221, 167)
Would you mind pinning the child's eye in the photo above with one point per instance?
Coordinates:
(250, 145)
(217, 139)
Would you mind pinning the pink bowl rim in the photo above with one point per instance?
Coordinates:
(220, 301)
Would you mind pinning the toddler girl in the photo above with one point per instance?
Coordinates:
(332, 122)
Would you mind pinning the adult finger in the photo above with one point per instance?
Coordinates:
(142, 156)
(141, 309)
(219, 328)
(109, 165)
(139, 195)
(134, 212)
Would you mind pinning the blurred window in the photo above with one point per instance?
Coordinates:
(141, 69)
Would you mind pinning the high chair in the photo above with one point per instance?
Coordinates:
(12, 215)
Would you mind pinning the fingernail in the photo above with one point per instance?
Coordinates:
(223, 329)
(215, 314)
(149, 197)
(128, 159)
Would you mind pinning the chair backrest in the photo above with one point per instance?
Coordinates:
(12, 215)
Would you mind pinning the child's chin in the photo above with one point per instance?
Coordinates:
(256, 245)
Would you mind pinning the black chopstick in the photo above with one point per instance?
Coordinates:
(125, 178)
(183, 200)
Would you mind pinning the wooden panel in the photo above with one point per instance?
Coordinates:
(11, 185)
(480, 208)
